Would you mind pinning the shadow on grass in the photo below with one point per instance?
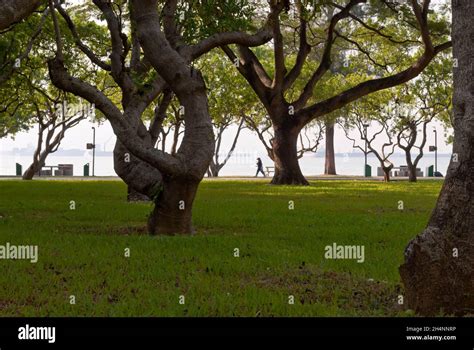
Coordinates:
(345, 292)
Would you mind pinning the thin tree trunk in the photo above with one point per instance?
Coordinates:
(174, 147)
(438, 273)
(411, 167)
(34, 166)
(214, 169)
(163, 141)
(287, 168)
(330, 163)
(386, 174)
(412, 173)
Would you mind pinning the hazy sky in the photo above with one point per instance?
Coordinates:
(80, 135)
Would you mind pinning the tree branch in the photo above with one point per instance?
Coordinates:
(370, 86)
(326, 58)
(122, 128)
(83, 47)
(303, 51)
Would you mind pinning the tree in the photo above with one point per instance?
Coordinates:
(259, 124)
(438, 272)
(369, 111)
(173, 126)
(35, 101)
(309, 139)
(157, 54)
(52, 126)
(407, 137)
(394, 26)
(219, 128)
(16, 44)
(230, 100)
(421, 101)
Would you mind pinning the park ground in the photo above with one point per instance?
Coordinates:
(281, 251)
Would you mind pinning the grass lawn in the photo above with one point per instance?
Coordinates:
(81, 251)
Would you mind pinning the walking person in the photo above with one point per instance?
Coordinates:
(260, 168)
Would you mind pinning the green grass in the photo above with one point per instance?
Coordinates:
(81, 252)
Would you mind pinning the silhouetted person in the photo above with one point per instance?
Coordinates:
(260, 168)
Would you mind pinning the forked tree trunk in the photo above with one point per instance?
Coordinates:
(213, 170)
(330, 163)
(169, 180)
(287, 168)
(173, 196)
(142, 179)
(386, 172)
(438, 273)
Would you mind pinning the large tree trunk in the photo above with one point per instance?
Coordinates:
(173, 207)
(438, 272)
(330, 163)
(287, 168)
(173, 195)
(35, 166)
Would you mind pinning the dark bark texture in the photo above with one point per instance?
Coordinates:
(287, 168)
(173, 207)
(438, 272)
(13, 11)
(386, 172)
(411, 169)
